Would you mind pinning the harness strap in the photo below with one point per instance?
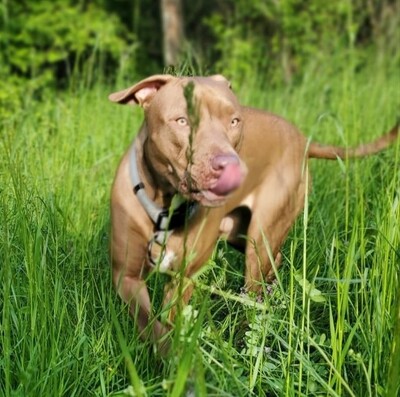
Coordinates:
(165, 219)
(156, 248)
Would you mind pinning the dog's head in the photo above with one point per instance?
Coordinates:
(194, 131)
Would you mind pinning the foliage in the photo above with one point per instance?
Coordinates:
(281, 37)
(46, 43)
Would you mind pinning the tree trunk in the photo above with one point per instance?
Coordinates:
(172, 19)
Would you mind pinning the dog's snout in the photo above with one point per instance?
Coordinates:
(229, 173)
(221, 161)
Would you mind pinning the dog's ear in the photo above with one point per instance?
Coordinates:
(142, 92)
(220, 78)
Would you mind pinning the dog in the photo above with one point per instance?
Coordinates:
(204, 167)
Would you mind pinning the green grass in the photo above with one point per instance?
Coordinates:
(326, 328)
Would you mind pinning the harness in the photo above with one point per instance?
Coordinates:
(165, 220)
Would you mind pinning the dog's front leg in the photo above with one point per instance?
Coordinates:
(198, 250)
(133, 291)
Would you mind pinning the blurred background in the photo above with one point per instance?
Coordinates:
(54, 43)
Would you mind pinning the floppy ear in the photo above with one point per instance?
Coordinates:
(142, 92)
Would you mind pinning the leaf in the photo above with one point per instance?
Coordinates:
(314, 294)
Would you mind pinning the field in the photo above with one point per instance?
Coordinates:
(327, 327)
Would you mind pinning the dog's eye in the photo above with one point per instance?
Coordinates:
(182, 121)
(235, 122)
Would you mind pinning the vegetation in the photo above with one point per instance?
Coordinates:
(329, 326)
(46, 43)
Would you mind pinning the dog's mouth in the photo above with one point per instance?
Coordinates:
(217, 189)
(207, 198)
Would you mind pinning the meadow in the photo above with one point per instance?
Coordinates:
(329, 326)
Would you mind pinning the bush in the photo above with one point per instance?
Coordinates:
(46, 43)
(281, 38)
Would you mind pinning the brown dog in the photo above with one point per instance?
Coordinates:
(242, 171)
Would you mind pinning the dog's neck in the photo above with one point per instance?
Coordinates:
(169, 212)
(156, 188)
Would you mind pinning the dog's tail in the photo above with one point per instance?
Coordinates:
(318, 151)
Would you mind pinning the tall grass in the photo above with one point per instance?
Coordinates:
(327, 327)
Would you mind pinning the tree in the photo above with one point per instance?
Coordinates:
(173, 36)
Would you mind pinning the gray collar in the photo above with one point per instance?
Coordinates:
(163, 218)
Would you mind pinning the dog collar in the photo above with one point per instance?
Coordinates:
(163, 218)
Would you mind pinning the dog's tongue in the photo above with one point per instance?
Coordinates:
(229, 180)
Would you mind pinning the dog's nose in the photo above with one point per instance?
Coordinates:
(230, 173)
(221, 161)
